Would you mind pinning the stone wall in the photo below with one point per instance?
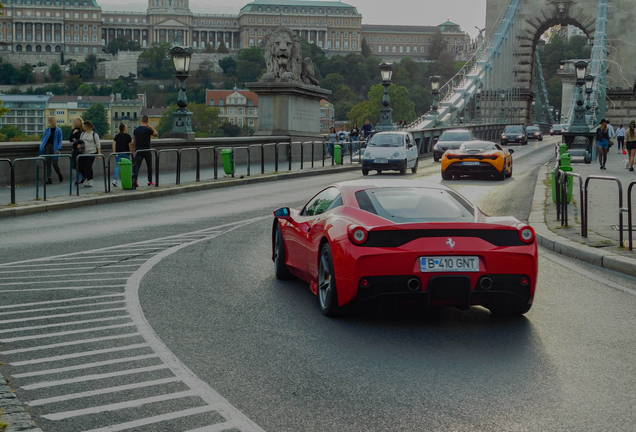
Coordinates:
(622, 106)
(122, 64)
(20, 58)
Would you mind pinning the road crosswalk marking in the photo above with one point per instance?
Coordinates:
(91, 357)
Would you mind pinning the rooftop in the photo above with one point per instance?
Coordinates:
(301, 3)
(153, 112)
(24, 98)
(81, 99)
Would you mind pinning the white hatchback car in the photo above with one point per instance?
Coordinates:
(394, 151)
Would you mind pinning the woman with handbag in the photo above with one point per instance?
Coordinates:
(76, 133)
(630, 143)
(90, 146)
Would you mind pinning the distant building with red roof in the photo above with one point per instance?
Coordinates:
(239, 107)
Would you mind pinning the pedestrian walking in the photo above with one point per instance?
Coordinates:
(354, 135)
(367, 128)
(620, 138)
(333, 139)
(52, 144)
(92, 146)
(630, 145)
(602, 142)
(141, 141)
(121, 144)
(76, 134)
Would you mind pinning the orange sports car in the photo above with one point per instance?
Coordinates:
(477, 157)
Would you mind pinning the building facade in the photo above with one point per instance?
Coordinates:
(126, 111)
(26, 112)
(67, 108)
(239, 107)
(154, 115)
(327, 116)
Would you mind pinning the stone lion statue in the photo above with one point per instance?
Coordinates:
(283, 57)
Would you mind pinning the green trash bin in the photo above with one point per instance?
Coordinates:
(227, 156)
(566, 160)
(563, 148)
(126, 173)
(337, 154)
(570, 184)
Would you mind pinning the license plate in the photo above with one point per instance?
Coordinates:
(470, 163)
(449, 264)
(381, 161)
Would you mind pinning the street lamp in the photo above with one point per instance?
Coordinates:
(478, 105)
(386, 119)
(589, 83)
(502, 96)
(182, 118)
(581, 68)
(435, 91)
(562, 65)
(579, 125)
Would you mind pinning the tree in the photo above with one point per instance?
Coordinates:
(11, 131)
(73, 83)
(55, 72)
(205, 119)
(210, 49)
(403, 107)
(226, 64)
(25, 74)
(85, 90)
(98, 115)
(438, 46)
(247, 71)
(223, 49)
(165, 124)
(366, 51)
(8, 74)
(67, 129)
(230, 130)
(159, 64)
(122, 43)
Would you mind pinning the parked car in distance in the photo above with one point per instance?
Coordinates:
(390, 151)
(534, 132)
(514, 134)
(559, 129)
(450, 140)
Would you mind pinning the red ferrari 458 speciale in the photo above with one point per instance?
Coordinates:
(394, 240)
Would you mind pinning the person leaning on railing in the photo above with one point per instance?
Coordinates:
(52, 144)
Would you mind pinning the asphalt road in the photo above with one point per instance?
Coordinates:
(164, 315)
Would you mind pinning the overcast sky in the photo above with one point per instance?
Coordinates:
(466, 13)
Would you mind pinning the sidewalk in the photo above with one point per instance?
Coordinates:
(58, 193)
(602, 246)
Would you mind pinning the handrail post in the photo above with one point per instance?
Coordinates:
(198, 177)
(289, 155)
(262, 159)
(276, 152)
(178, 167)
(630, 214)
(302, 154)
(249, 161)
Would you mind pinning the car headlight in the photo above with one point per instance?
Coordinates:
(396, 154)
(435, 147)
(503, 135)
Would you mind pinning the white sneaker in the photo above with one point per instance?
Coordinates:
(89, 183)
(115, 183)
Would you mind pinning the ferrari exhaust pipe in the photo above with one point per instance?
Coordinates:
(414, 284)
(485, 283)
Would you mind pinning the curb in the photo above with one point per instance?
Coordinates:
(45, 207)
(555, 243)
(13, 412)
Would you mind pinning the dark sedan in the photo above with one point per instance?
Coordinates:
(534, 132)
(558, 129)
(514, 134)
(451, 139)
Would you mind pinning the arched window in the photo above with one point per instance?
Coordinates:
(394, 49)
(379, 48)
(408, 50)
(38, 48)
(194, 44)
(48, 48)
(58, 48)
(401, 50)
(29, 48)
(18, 47)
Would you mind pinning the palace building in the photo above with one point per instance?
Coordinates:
(82, 27)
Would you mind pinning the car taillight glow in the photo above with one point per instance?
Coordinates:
(358, 235)
(526, 234)
(451, 156)
(525, 280)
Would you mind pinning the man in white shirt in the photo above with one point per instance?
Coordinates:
(620, 137)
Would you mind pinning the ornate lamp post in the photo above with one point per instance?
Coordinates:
(562, 65)
(579, 125)
(502, 115)
(182, 120)
(386, 118)
(589, 83)
(435, 91)
(478, 105)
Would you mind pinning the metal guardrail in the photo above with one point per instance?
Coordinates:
(109, 160)
(630, 212)
(70, 175)
(37, 174)
(157, 158)
(621, 210)
(98, 156)
(11, 178)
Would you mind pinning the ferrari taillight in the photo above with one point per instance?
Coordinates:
(526, 234)
(358, 235)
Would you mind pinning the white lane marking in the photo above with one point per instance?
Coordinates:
(64, 269)
(66, 333)
(102, 391)
(94, 377)
(45, 317)
(66, 275)
(120, 405)
(65, 344)
(61, 288)
(85, 366)
(78, 355)
(152, 420)
(81, 254)
(552, 257)
(74, 299)
(214, 428)
(206, 392)
(87, 264)
(64, 281)
(64, 324)
(60, 308)
(96, 257)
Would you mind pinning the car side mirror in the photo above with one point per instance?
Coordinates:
(511, 151)
(282, 213)
(436, 141)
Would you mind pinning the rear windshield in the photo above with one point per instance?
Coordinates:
(532, 129)
(413, 205)
(455, 136)
(386, 140)
(478, 146)
(514, 129)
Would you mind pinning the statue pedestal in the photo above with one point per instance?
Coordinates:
(289, 109)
